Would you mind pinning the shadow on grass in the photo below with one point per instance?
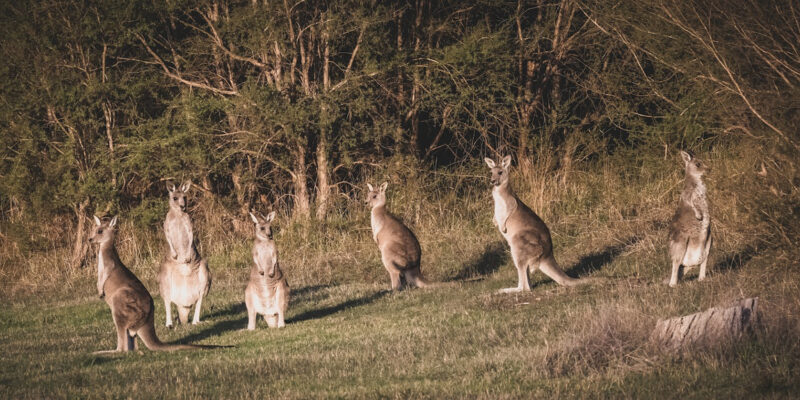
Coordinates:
(309, 290)
(494, 255)
(217, 328)
(734, 260)
(326, 311)
(595, 261)
(231, 309)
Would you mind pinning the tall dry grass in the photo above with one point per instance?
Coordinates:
(597, 208)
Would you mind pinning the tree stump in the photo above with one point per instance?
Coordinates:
(707, 328)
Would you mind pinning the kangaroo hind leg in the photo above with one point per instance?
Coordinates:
(522, 274)
(677, 250)
(197, 306)
(168, 309)
(704, 264)
(414, 276)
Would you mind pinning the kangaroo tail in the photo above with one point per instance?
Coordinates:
(550, 268)
(415, 276)
(148, 335)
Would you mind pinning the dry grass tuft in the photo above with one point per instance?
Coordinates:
(603, 337)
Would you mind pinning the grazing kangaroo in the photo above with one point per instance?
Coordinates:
(267, 292)
(184, 278)
(130, 302)
(690, 230)
(526, 234)
(400, 251)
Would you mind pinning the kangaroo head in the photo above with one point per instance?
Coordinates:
(694, 166)
(263, 225)
(177, 195)
(499, 172)
(103, 231)
(376, 197)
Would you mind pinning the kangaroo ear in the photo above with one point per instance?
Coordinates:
(97, 221)
(490, 162)
(506, 162)
(170, 186)
(253, 217)
(383, 186)
(370, 187)
(186, 186)
(686, 157)
(270, 216)
(113, 222)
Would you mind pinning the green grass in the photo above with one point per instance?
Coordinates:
(461, 340)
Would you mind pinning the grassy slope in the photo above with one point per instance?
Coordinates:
(359, 340)
(346, 336)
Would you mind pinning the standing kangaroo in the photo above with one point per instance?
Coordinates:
(131, 304)
(400, 251)
(526, 234)
(184, 278)
(690, 230)
(267, 292)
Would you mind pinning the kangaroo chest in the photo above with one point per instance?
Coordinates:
(179, 230)
(502, 209)
(377, 225)
(102, 272)
(264, 255)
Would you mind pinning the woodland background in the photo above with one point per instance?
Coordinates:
(291, 105)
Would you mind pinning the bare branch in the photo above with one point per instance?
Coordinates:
(179, 78)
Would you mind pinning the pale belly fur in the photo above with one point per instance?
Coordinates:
(265, 301)
(101, 271)
(376, 226)
(695, 250)
(500, 212)
(186, 288)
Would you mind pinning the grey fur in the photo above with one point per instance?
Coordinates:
(267, 292)
(400, 250)
(130, 302)
(690, 230)
(184, 277)
(526, 233)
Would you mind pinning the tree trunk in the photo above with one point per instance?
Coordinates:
(238, 189)
(415, 78)
(708, 328)
(299, 181)
(323, 181)
(81, 246)
(108, 115)
(323, 178)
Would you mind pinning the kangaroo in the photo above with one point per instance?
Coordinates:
(526, 234)
(130, 302)
(184, 278)
(400, 251)
(690, 230)
(267, 292)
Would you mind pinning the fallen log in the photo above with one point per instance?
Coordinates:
(708, 328)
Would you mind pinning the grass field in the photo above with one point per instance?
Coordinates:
(360, 340)
(348, 336)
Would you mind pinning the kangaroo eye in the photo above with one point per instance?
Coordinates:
(99, 231)
(500, 173)
(174, 198)
(262, 228)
